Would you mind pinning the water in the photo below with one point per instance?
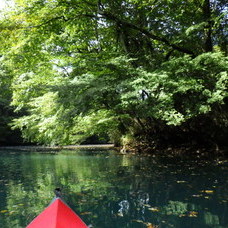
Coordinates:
(114, 191)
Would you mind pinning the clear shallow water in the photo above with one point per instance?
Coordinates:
(114, 191)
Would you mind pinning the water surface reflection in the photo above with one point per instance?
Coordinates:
(115, 191)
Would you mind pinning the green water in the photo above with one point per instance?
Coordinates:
(114, 191)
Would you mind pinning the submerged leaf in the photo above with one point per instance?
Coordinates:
(86, 213)
(193, 214)
(208, 191)
(3, 211)
(150, 225)
(154, 209)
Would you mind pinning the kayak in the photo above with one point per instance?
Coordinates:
(57, 215)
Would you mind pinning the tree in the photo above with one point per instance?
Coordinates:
(6, 111)
(141, 70)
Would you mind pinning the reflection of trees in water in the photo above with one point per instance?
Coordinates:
(114, 190)
(176, 194)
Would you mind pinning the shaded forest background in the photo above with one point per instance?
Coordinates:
(142, 74)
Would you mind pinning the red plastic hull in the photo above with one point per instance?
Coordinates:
(57, 215)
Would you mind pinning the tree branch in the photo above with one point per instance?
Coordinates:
(208, 47)
(144, 31)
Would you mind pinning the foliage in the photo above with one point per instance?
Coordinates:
(142, 70)
(6, 112)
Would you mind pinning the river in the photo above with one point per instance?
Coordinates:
(109, 190)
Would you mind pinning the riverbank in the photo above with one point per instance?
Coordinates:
(188, 152)
(50, 148)
(182, 151)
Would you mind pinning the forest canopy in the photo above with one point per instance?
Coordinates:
(133, 71)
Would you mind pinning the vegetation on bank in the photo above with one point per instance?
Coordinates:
(149, 74)
(7, 135)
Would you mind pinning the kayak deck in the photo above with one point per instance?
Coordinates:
(57, 215)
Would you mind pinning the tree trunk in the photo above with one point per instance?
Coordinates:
(208, 47)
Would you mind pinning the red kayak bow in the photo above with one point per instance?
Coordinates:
(57, 215)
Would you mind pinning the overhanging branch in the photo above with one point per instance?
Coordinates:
(110, 16)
